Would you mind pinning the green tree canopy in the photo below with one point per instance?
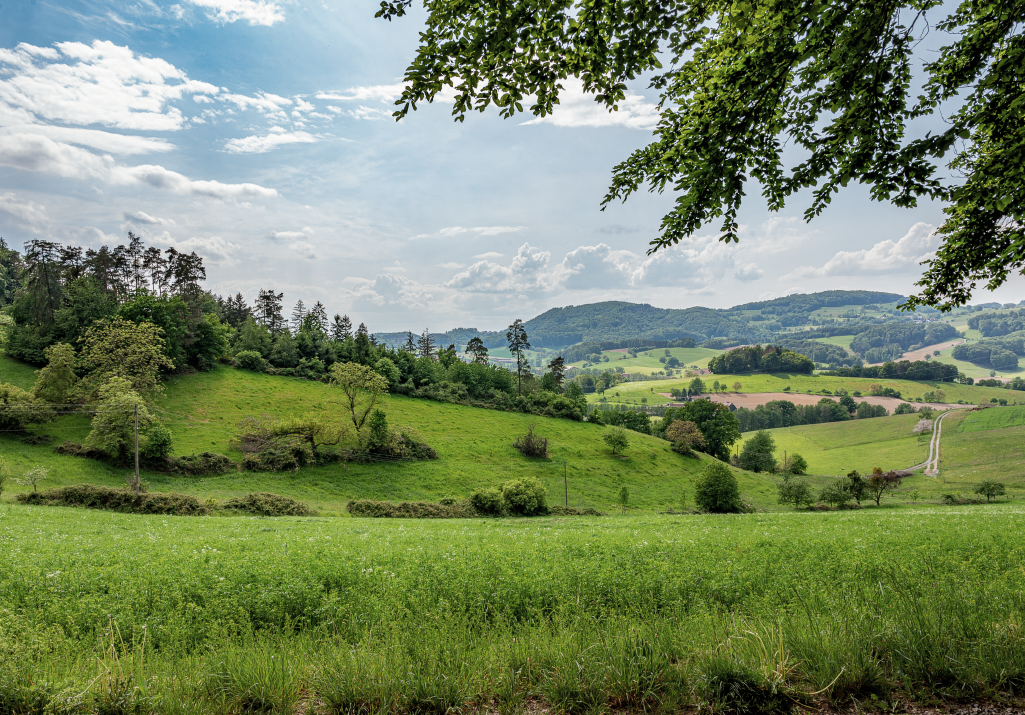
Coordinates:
(121, 348)
(743, 82)
(717, 490)
(756, 456)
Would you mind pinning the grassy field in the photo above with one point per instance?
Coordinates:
(475, 448)
(647, 362)
(973, 370)
(838, 447)
(816, 383)
(843, 341)
(114, 613)
(975, 445)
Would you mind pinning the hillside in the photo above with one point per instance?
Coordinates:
(475, 448)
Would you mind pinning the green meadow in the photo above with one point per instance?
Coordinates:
(648, 362)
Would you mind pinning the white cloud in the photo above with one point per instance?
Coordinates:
(489, 254)
(100, 83)
(577, 109)
(212, 248)
(255, 12)
(263, 102)
(362, 112)
(685, 267)
(32, 152)
(96, 139)
(391, 290)
(595, 267)
(306, 232)
(303, 248)
(260, 145)
(141, 217)
(528, 271)
(27, 213)
(915, 246)
(450, 231)
(748, 272)
(451, 265)
(382, 92)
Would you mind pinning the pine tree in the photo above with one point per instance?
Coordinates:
(425, 344)
(410, 346)
(268, 310)
(518, 342)
(298, 313)
(341, 329)
(476, 348)
(319, 313)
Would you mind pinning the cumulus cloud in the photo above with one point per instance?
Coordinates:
(98, 84)
(685, 266)
(915, 246)
(595, 267)
(450, 231)
(748, 272)
(262, 144)
(141, 217)
(26, 213)
(578, 109)
(304, 249)
(362, 112)
(391, 290)
(255, 12)
(528, 271)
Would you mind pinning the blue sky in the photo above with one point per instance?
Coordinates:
(258, 133)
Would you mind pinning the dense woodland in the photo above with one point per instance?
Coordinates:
(999, 353)
(758, 359)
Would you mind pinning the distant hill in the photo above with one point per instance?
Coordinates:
(622, 321)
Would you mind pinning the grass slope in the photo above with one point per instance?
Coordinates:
(648, 362)
(816, 383)
(475, 446)
(983, 445)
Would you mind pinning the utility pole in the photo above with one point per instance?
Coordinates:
(136, 449)
(565, 481)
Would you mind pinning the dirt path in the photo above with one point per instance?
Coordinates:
(932, 466)
(751, 400)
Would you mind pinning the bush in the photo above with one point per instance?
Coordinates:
(266, 504)
(92, 496)
(532, 445)
(836, 494)
(717, 490)
(525, 497)
(960, 499)
(408, 510)
(904, 409)
(796, 464)
(251, 360)
(488, 502)
(202, 464)
(794, 491)
(616, 439)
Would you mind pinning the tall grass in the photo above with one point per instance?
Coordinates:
(751, 613)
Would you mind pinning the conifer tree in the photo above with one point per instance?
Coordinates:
(341, 329)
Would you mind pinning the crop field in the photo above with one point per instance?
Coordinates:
(816, 383)
(475, 448)
(104, 612)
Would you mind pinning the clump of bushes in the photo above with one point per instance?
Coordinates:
(408, 510)
(961, 499)
(519, 497)
(92, 496)
(404, 443)
(574, 511)
(532, 445)
(266, 504)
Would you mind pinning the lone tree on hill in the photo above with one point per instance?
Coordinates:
(516, 336)
(362, 388)
(756, 456)
(882, 482)
(741, 83)
(616, 439)
(989, 489)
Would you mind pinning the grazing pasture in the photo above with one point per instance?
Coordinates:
(101, 611)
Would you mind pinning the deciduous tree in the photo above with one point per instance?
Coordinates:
(121, 348)
(362, 388)
(56, 382)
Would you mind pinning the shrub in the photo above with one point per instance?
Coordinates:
(960, 499)
(488, 502)
(532, 445)
(904, 409)
(616, 439)
(407, 510)
(411, 446)
(251, 360)
(525, 497)
(685, 437)
(266, 504)
(204, 463)
(794, 491)
(796, 464)
(836, 494)
(717, 490)
(92, 496)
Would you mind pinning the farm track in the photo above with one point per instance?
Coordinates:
(932, 464)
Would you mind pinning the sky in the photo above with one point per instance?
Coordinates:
(258, 133)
